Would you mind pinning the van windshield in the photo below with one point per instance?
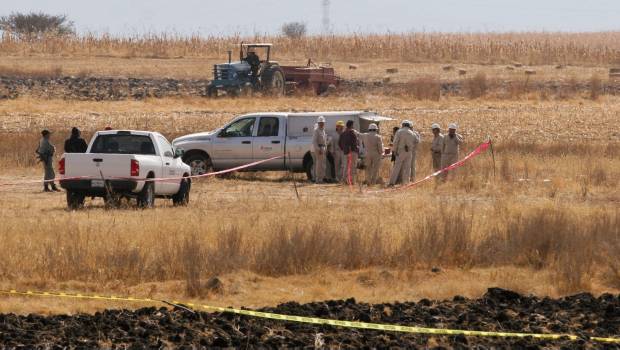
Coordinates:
(123, 144)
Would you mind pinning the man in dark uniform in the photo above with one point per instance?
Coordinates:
(75, 144)
(45, 152)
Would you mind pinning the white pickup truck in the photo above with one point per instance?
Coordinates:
(118, 164)
(259, 136)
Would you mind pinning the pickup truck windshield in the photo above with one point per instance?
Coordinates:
(123, 144)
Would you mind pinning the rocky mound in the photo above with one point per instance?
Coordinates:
(498, 310)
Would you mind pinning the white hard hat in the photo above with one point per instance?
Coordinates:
(435, 126)
(320, 119)
(372, 127)
(407, 123)
(453, 126)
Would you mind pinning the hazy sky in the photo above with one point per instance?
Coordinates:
(266, 16)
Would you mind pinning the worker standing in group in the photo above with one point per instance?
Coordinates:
(450, 148)
(75, 143)
(404, 141)
(374, 152)
(349, 143)
(436, 146)
(416, 141)
(45, 153)
(319, 150)
(336, 151)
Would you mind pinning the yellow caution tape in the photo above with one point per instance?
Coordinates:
(319, 321)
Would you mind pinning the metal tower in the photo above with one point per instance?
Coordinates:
(326, 23)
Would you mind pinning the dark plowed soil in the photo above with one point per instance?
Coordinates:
(113, 89)
(497, 310)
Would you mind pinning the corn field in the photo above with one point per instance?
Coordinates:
(536, 48)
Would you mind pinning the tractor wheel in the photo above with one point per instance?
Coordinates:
(273, 81)
(212, 92)
(246, 90)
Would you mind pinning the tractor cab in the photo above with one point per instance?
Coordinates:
(261, 51)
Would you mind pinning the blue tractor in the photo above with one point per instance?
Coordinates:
(253, 72)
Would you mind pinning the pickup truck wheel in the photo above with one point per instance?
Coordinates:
(181, 198)
(146, 197)
(199, 164)
(74, 200)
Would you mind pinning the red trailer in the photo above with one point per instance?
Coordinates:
(312, 76)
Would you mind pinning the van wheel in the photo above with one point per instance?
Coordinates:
(181, 198)
(199, 164)
(75, 200)
(146, 197)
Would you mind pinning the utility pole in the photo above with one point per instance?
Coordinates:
(326, 23)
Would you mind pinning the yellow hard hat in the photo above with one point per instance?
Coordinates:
(340, 123)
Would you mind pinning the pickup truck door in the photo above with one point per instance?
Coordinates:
(232, 146)
(169, 168)
(269, 142)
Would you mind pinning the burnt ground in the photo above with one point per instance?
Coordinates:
(117, 88)
(498, 310)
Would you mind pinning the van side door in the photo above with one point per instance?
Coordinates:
(269, 142)
(232, 146)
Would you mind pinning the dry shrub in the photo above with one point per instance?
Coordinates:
(597, 174)
(570, 89)
(518, 88)
(570, 243)
(573, 264)
(45, 72)
(229, 252)
(595, 87)
(192, 259)
(476, 86)
(424, 88)
(444, 238)
(506, 170)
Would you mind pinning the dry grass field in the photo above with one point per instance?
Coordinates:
(543, 219)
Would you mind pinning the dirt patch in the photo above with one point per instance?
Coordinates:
(498, 310)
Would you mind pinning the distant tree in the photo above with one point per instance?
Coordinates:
(294, 30)
(36, 23)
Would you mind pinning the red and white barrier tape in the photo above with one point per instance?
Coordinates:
(161, 179)
(477, 151)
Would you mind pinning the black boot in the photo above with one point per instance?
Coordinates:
(46, 188)
(54, 188)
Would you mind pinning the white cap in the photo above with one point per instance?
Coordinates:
(407, 123)
(320, 119)
(372, 127)
(435, 126)
(453, 126)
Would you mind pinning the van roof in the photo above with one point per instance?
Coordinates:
(371, 115)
